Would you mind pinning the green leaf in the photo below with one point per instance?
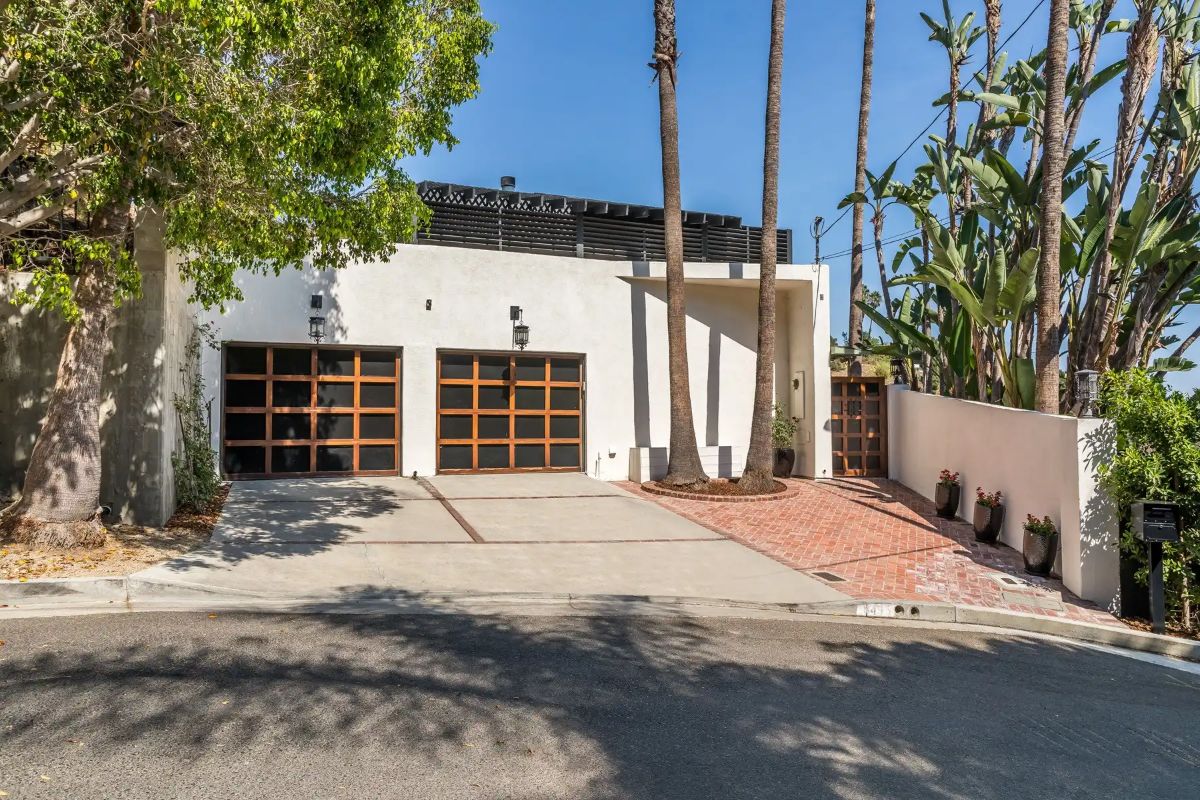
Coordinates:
(852, 199)
(1026, 383)
(1019, 289)
(961, 356)
(997, 271)
(1006, 101)
(1016, 184)
(1171, 364)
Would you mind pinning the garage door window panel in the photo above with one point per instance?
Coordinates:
(511, 421)
(306, 415)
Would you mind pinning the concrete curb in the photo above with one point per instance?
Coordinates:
(63, 591)
(1111, 635)
(131, 594)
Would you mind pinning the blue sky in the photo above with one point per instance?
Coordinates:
(567, 106)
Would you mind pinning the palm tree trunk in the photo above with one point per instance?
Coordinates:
(760, 462)
(854, 336)
(1049, 303)
(60, 498)
(683, 459)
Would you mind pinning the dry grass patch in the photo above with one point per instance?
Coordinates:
(126, 548)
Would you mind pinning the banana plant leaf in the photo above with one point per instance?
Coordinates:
(1026, 382)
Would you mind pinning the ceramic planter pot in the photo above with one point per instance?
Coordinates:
(945, 497)
(988, 523)
(1039, 552)
(785, 461)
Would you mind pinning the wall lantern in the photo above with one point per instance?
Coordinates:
(520, 331)
(898, 376)
(316, 328)
(1087, 390)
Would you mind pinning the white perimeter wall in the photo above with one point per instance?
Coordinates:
(612, 312)
(1044, 464)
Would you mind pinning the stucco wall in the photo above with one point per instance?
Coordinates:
(138, 424)
(1044, 464)
(614, 313)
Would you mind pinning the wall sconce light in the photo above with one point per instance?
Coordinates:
(316, 328)
(1087, 391)
(520, 331)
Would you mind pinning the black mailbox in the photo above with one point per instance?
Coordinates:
(1156, 522)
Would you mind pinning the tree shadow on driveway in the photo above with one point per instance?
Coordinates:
(286, 525)
(443, 705)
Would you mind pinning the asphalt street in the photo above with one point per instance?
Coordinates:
(340, 706)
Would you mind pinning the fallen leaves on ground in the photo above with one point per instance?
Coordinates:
(126, 549)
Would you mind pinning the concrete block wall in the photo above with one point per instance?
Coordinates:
(139, 429)
(1045, 465)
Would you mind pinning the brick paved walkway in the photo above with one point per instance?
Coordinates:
(886, 543)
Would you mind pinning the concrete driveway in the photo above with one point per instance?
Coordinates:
(480, 534)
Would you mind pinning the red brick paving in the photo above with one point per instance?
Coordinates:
(888, 544)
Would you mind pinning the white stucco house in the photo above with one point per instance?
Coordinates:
(421, 368)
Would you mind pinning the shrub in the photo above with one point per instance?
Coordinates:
(1157, 458)
(195, 461)
(783, 428)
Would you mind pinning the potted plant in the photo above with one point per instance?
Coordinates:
(783, 436)
(989, 515)
(1040, 545)
(947, 494)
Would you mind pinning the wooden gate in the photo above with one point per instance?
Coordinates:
(859, 427)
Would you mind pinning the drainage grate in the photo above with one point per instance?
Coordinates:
(829, 577)
(1009, 580)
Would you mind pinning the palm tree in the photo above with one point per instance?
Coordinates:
(854, 336)
(1049, 302)
(683, 460)
(758, 474)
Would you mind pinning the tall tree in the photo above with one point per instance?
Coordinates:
(266, 133)
(1141, 57)
(1049, 297)
(683, 459)
(957, 37)
(854, 335)
(760, 462)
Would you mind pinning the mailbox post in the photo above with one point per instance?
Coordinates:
(1155, 523)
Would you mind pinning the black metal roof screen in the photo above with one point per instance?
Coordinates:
(528, 222)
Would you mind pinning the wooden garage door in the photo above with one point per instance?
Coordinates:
(509, 412)
(859, 426)
(299, 411)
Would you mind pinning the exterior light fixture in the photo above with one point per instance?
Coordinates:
(520, 331)
(1087, 390)
(898, 371)
(316, 328)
